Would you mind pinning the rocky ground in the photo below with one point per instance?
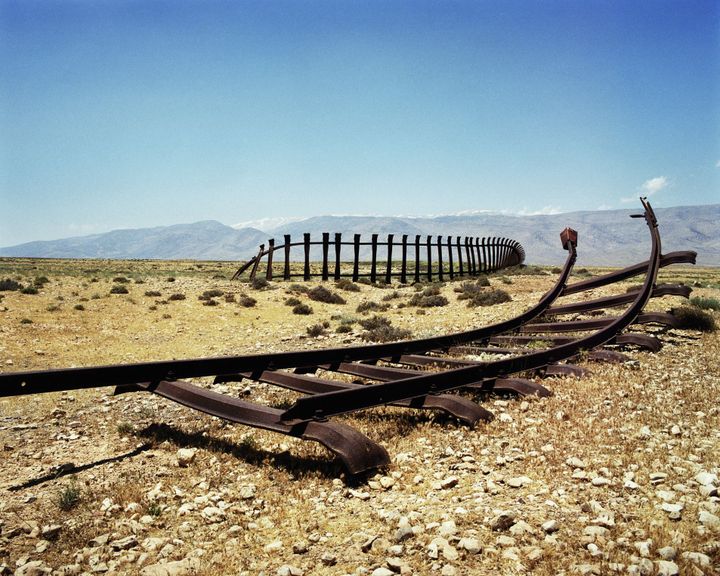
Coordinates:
(617, 472)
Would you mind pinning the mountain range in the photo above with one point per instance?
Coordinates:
(606, 237)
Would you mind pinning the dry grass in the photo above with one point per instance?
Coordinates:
(618, 420)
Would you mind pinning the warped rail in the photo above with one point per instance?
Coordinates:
(428, 258)
(415, 374)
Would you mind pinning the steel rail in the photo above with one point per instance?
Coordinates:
(339, 402)
(617, 300)
(35, 382)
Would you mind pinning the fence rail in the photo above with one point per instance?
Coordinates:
(407, 259)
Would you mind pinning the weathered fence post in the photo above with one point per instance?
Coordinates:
(450, 257)
(257, 262)
(428, 243)
(373, 263)
(403, 269)
(325, 247)
(460, 261)
(440, 258)
(388, 270)
(473, 264)
(306, 271)
(271, 250)
(417, 258)
(286, 270)
(338, 247)
(356, 258)
(478, 251)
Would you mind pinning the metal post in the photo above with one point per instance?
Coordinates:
(286, 271)
(388, 270)
(306, 271)
(356, 260)
(325, 247)
(338, 247)
(403, 269)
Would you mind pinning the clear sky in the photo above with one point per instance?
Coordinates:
(117, 114)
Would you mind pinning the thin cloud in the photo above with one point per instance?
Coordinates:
(717, 164)
(649, 187)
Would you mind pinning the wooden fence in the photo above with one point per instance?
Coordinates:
(407, 259)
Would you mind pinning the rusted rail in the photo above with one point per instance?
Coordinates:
(424, 258)
(413, 374)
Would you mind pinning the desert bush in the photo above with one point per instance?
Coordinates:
(392, 296)
(9, 285)
(296, 288)
(692, 318)
(322, 294)
(121, 280)
(302, 309)
(177, 296)
(428, 298)
(292, 301)
(118, 289)
(41, 280)
(468, 289)
(170, 279)
(209, 294)
(29, 290)
(316, 330)
(506, 280)
(247, 301)
(259, 283)
(347, 285)
(139, 281)
(210, 302)
(152, 293)
(705, 303)
(488, 298)
(69, 497)
(344, 328)
(79, 307)
(380, 329)
(229, 298)
(26, 321)
(369, 305)
(53, 308)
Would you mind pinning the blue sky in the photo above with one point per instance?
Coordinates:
(117, 114)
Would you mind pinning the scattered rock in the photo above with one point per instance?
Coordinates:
(289, 570)
(667, 568)
(184, 567)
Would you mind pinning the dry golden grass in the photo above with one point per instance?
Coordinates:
(300, 493)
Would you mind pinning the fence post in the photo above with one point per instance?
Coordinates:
(440, 258)
(306, 271)
(417, 258)
(271, 249)
(356, 260)
(403, 269)
(388, 271)
(450, 257)
(325, 247)
(460, 262)
(478, 250)
(373, 263)
(257, 262)
(473, 263)
(428, 244)
(286, 271)
(338, 247)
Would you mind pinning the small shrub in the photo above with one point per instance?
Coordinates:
(92, 280)
(154, 509)
(139, 281)
(292, 301)
(96, 296)
(210, 302)
(296, 288)
(705, 303)
(259, 283)
(79, 307)
(171, 279)
(488, 298)
(153, 293)
(229, 298)
(178, 296)
(344, 328)
(555, 270)
(41, 280)
(26, 321)
(9, 285)
(218, 277)
(121, 280)
(125, 428)
(506, 280)
(152, 308)
(247, 301)
(316, 330)
(322, 294)
(69, 498)
(209, 294)
(166, 316)
(369, 305)
(379, 329)
(428, 298)
(29, 290)
(53, 308)
(374, 322)
(690, 318)
(302, 309)
(118, 289)
(584, 272)
(347, 285)
(392, 296)
(468, 289)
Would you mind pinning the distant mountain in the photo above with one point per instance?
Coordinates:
(206, 240)
(606, 238)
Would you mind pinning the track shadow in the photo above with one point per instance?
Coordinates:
(66, 469)
(247, 452)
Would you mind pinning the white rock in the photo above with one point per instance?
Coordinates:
(274, 546)
(702, 560)
(550, 526)
(178, 568)
(667, 568)
(289, 570)
(674, 510)
(705, 478)
(382, 571)
(667, 553)
(709, 520)
(471, 545)
(185, 456)
(575, 462)
(518, 481)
